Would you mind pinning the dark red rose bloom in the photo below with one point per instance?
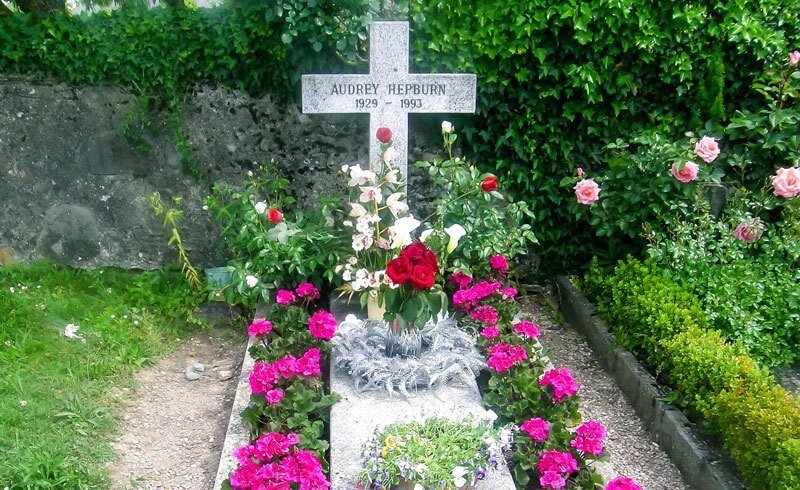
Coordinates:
(414, 251)
(399, 270)
(274, 216)
(429, 258)
(422, 277)
(489, 183)
(384, 135)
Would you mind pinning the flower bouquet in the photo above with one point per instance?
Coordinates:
(435, 454)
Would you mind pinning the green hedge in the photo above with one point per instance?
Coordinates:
(757, 420)
(558, 80)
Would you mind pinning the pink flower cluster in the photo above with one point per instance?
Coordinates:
(265, 376)
(562, 382)
(508, 293)
(499, 264)
(490, 332)
(462, 280)
(322, 325)
(486, 315)
(466, 299)
(285, 297)
(527, 329)
(260, 326)
(307, 290)
(272, 462)
(553, 466)
(537, 428)
(623, 483)
(503, 356)
(589, 438)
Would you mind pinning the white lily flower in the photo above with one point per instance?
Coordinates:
(396, 203)
(393, 177)
(425, 234)
(400, 232)
(261, 207)
(455, 232)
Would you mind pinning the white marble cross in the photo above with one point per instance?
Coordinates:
(389, 93)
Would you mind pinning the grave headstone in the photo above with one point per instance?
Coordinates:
(389, 92)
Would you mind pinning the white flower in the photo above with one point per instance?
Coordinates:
(345, 168)
(362, 242)
(363, 225)
(455, 232)
(400, 232)
(205, 208)
(393, 177)
(251, 281)
(458, 476)
(358, 176)
(396, 203)
(347, 276)
(22, 403)
(425, 234)
(357, 210)
(352, 260)
(348, 223)
(418, 487)
(261, 207)
(370, 194)
(447, 127)
(390, 155)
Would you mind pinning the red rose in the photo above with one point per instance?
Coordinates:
(422, 277)
(274, 216)
(489, 183)
(430, 258)
(414, 251)
(384, 135)
(399, 270)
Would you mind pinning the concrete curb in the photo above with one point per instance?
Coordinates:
(670, 427)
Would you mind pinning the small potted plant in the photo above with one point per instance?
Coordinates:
(435, 454)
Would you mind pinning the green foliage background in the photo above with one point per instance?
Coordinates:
(558, 80)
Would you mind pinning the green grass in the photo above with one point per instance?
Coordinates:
(58, 396)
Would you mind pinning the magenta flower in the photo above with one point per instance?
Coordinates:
(322, 325)
(503, 356)
(508, 293)
(262, 377)
(557, 462)
(499, 263)
(527, 329)
(260, 326)
(622, 483)
(308, 365)
(562, 382)
(462, 280)
(537, 428)
(551, 479)
(486, 315)
(589, 438)
(490, 332)
(285, 297)
(274, 396)
(307, 290)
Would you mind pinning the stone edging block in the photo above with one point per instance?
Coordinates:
(670, 427)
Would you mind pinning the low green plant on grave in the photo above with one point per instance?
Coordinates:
(171, 218)
(436, 453)
(272, 240)
(70, 340)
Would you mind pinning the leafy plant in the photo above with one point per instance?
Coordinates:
(171, 218)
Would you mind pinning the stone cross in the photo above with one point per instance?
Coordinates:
(389, 93)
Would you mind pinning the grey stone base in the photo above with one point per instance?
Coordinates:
(699, 464)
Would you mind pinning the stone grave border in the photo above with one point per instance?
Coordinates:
(699, 464)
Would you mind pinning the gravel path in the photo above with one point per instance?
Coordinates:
(633, 452)
(173, 429)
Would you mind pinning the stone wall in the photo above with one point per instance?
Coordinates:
(73, 190)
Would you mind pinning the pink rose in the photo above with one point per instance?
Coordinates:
(707, 149)
(749, 232)
(686, 174)
(794, 57)
(587, 191)
(499, 263)
(786, 182)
